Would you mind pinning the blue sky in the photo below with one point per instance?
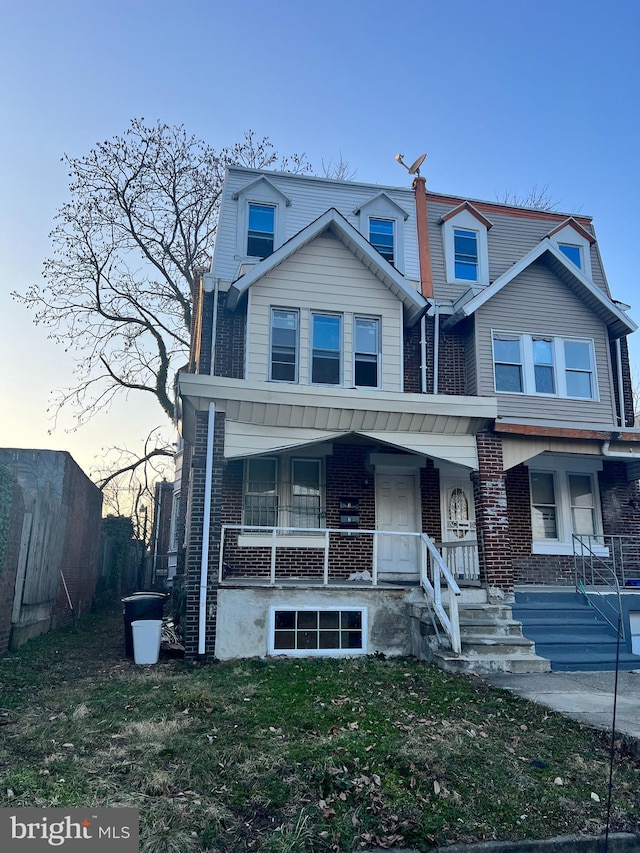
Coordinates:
(502, 95)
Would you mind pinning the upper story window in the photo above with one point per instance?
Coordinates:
(326, 349)
(260, 220)
(465, 244)
(381, 220)
(574, 253)
(284, 345)
(366, 355)
(381, 237)
(551, 366)
(574, 241)
(261, 230)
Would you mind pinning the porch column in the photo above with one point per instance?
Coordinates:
(492, 521)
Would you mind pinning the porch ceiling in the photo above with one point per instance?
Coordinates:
(243, 440)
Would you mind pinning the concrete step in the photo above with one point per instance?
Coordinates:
(472, 663)
(505, 628)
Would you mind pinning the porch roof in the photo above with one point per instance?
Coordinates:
(262, 417)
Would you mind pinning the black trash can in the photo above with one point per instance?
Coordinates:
(143, 606)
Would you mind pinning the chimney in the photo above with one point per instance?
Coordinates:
(422, 225)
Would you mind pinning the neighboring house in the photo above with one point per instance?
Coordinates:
(49, 570)
(394, 397)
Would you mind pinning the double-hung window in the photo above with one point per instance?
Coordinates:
(564, 502)
(381, 237)
(284, 344)
(261, 230)
(366, 354)
(465, 248)
(283, 492)
(326, 349)
(550, 366)
(305, 492)
(260, 506)
(507, 362)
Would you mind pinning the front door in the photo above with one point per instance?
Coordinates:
(459, 544)
(397, 511)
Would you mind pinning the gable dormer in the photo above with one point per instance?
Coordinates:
(381, 221)
(260, 219)
(466, 249)
(575, 242)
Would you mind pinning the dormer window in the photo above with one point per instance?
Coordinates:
(261, 220)
(466, 248)
(574, 253)
(381, 220)
(381, 237)
(261, 230)
(465, 254)
(574, 241)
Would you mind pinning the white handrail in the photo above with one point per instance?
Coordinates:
(450, 621)
(428, 553)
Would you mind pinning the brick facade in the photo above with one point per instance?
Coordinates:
(492, 522)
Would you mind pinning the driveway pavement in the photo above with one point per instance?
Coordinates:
(584, 696)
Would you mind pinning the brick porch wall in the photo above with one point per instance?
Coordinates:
(494, 539)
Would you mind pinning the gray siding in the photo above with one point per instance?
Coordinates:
(537, 303)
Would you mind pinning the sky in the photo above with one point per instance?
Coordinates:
(502, 95)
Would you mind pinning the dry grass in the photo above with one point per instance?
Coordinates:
(295, 756)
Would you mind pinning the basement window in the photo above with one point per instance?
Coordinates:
(318, 631)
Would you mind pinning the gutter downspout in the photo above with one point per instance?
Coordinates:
(623, 421)
(436, 346)
(206, 527)
(423, 354)
(214, 333)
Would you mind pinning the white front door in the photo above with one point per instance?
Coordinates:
(459, 546)
(397, 510)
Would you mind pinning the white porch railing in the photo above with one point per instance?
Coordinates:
(436, 579)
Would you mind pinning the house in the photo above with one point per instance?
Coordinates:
(401, 407)
(50, 547)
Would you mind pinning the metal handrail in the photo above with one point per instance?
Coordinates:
(601, 575)
(434, 572)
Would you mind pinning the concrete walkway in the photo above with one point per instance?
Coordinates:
(584, 696)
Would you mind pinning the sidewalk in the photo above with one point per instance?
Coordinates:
(587, 697)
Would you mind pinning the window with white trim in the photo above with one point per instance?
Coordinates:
(381, 237)
(284, 344)
(574, 253)
(318, 631)
(564, 501)
(283, 492)
(465, 247)
(366, 352)
(544, 365)
(326, 349)
(261, 230)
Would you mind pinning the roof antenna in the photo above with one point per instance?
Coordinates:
(414, 168)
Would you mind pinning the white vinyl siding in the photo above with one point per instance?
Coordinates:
(319, 278)
(538, 305)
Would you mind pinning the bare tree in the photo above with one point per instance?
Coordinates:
(339, 171)
(537, 198)
(117, 289)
